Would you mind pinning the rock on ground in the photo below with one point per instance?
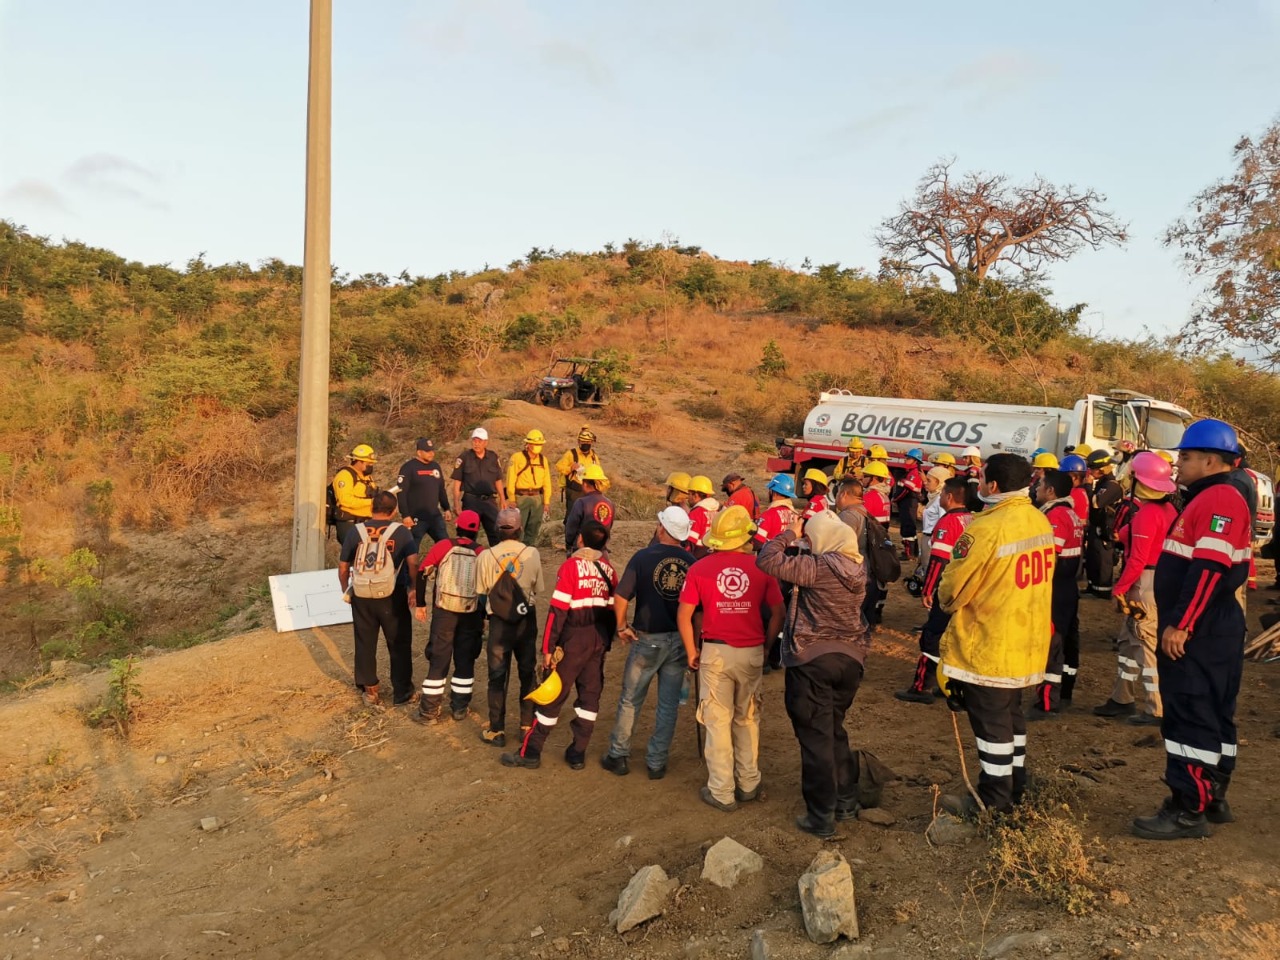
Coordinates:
(826, 899)
(643, 899)
(878, 816)
(1016, 941)
(946, 830)
(727, 861)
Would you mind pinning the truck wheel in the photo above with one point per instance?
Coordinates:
(566, 400)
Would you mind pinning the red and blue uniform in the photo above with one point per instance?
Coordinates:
(1204, 561)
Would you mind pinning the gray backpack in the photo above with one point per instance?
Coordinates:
(456, 580)
(373, 572)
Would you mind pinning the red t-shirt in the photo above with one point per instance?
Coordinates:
(877, 504)
(816, 505)
(732, 592)
(1080, 499)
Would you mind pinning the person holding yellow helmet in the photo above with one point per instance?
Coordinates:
(678, 489)
(742, 612)
(703, 506)
(352, 491)
(813, 487)
(579, 629)
(529, 486)
(851, 463)
(592, 505)
(572, 464)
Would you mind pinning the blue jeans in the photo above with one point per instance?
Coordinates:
(660, 654)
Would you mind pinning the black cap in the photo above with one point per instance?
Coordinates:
(425, 444)
(1098, 459)
(730, 477)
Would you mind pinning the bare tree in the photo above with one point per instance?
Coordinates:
(483, 326)
(395, 378)
(970, 224)
(1234, 241)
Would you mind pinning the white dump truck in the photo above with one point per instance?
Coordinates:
(1100, 420)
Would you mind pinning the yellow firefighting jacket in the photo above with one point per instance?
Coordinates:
(354, 493)
(526, 473)
(568, 468)
(998, 589)
(849, 467)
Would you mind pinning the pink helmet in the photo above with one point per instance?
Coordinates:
(1152, 470)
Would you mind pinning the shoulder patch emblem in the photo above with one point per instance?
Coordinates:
(458, 462)
(1219, 523)
(963, 545)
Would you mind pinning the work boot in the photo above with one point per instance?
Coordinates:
(847, 811)
(657, 773)
(912, 695)
(962, 806)
(1113, 709)
(1037, 712)
(746, 796)
(615, 765)
(1171, 822)
(710, 800)
(575, 760)
(821, 827)
(495, 738)
(426, 715)
(1219, 811)
(517, 760)
(1144, 720)
(369, 695)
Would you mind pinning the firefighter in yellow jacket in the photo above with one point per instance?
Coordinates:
(998, 589)
(572, 465)
(353, 489)
(529, 486)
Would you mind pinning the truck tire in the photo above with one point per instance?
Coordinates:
(566, 400)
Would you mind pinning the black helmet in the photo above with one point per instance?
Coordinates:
(1098, 459)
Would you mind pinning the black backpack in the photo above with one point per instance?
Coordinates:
(507, 600)
(882, 558)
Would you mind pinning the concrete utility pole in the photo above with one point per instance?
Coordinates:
(311, 473)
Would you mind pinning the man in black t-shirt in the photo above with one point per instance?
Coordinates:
(653, 579)
(389, 614)
(424, 504)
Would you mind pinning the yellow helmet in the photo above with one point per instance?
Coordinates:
(702, 485)
(817, 476)
(535, 438)
(364, 452)
(731, 528)
(878, 452)
(876, 469)
(855, 444)
(679, 481)
(593, 471)
(1045, 460)
(944, 459)
(551, 687)
(1165, 455)
(585, 435)
(1082, 450)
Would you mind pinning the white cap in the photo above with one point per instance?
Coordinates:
(675, 521)
(971, 452)
(479, 433)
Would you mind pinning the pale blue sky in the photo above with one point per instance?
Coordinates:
(469, 131)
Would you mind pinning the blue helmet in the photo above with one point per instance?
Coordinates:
(916, 454)
(1073, 464)
(782, 483)
(1037, 451)
(1211, 435)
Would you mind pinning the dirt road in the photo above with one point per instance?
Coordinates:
(348, 832)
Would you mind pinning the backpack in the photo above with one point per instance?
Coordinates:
(373, 572)
(882, 558)
(507, 600)
(456, 579)
(333, 514)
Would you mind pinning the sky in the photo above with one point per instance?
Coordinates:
(466, 132)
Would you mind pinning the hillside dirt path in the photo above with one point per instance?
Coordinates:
(352, 832)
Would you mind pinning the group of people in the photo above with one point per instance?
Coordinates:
(728, 584)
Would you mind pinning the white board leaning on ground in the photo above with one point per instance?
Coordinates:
(312, 599)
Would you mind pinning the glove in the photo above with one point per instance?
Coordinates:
(952, 689)
(1122, 604)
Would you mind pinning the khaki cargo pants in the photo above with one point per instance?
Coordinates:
(729, 708)
(1136, 649)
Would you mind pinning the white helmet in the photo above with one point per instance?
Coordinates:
(971, 452)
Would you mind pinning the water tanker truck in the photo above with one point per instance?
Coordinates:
(935, 426)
